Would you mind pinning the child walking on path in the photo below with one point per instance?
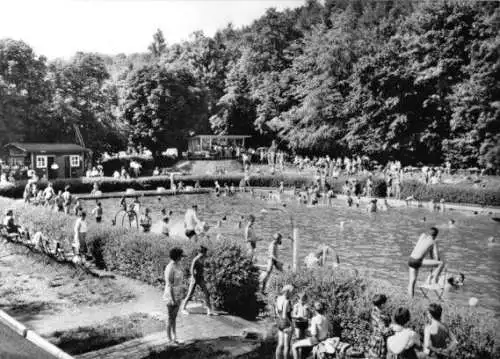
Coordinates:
(198, 279)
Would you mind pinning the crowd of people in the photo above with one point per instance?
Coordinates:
(301, 321)
(303, 327)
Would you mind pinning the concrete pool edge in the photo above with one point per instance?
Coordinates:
(206, 190)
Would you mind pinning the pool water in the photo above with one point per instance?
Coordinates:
(380, 242)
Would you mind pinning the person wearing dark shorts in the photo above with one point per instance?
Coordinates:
(426, 245)
(191, 221)
(97, 211)
(198, 279)
(273, 261)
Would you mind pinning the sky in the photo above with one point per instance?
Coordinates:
(59, 28)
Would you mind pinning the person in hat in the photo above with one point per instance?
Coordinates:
(172, 293)
(283, 311)
(191, 222)
(198, 279)
(273, 261)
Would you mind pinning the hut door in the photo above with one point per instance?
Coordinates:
(52, 173)
(67, 167)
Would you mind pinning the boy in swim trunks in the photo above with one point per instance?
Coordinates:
(191, 221)
(426, 245)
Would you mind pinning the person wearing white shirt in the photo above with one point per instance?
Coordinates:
(403, 343)
(319, 328)
(191, 221)
(79, 239)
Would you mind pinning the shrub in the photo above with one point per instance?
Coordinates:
(450, 193)
(232, 278)
(347, 296)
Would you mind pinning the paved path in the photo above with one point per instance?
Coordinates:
(14, 346)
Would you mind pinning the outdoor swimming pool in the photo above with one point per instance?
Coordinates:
(379, 243)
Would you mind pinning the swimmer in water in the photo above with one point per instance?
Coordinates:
(451, 223)
(427, 244)
(372, 206)
(320, 257)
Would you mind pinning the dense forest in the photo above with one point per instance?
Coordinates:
(417, 81)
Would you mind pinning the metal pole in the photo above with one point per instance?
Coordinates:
(295, 249)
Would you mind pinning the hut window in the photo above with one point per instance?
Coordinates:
(74, 161)
(41, 161)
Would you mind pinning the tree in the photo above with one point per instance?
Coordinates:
(162, 105)
(83, 97)
(158, 46)
(23, 91)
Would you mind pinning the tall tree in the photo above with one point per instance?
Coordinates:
(24, 91)
(163, 104)
(158, 46)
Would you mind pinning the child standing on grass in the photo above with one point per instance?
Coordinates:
(146, 221)
(79, 240)
(97, 212)
(67, 199)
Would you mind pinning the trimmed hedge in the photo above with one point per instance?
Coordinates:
(348, 296)
(450, 193)
(232, 278)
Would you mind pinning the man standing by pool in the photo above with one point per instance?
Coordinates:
(191, 221)
(426, 244)
(273, 261)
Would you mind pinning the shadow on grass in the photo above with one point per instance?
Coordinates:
(220, 348)
(28, 311)
(114, 331)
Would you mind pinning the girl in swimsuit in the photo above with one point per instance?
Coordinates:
(284, 317)
(172, 294)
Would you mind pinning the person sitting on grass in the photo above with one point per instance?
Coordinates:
(439, 342)
(146, 221)
(404, 342)
(377, 348)
(10, 225)
(198, 279)
(319, 330)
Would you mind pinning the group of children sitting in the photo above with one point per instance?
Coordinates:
(391, 339)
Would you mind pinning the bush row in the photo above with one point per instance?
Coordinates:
(232, 279)
(450, 193)
(348, 296)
